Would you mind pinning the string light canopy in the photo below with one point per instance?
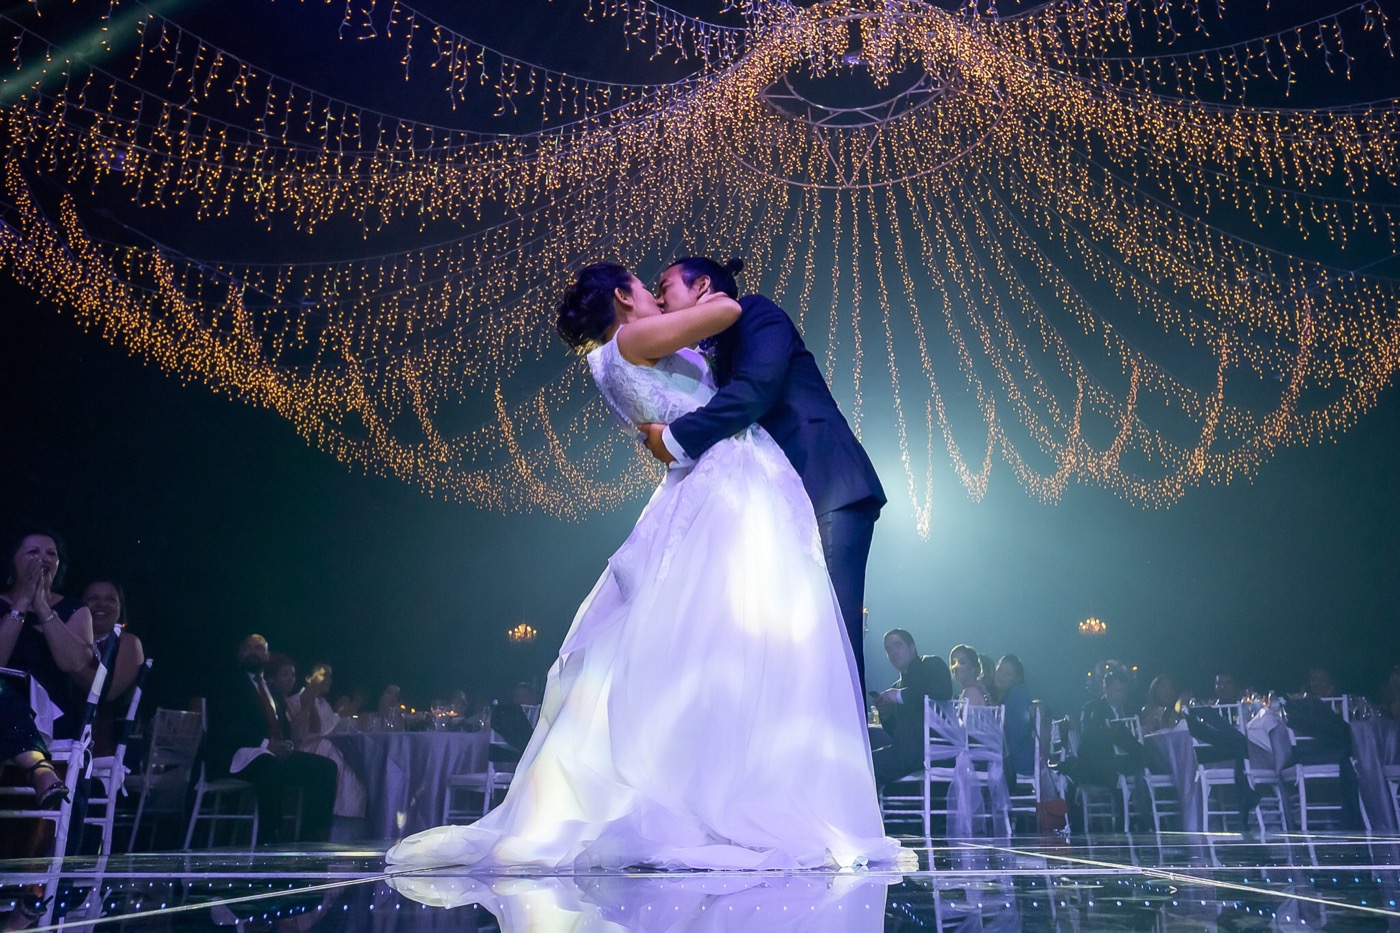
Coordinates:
(1137, 245)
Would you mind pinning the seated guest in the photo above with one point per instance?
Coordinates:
(1010, 691)
(312, 720)
(247, 734)
(311, 716)
(106, 601)
(902, 706)
(281, 674)
(50, 639)
(107, 604)
(1160, 711)
(965, 664)
(391, 708)
(23, 746)
(45, 635)
(461, 704)
(1106, 748)
(1320, 684)
(1388, 700)
(1227, 689)
(514, 723)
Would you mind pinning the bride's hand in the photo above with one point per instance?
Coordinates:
(652, 438)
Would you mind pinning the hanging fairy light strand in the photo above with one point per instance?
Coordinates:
(1081, 247)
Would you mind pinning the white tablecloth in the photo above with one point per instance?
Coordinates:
(1171, 751)
(405, 774)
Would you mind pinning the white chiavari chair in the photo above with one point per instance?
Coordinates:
(1026, 789)
(495, 778)
(109, 771)
(1310, 804)
(229, 799)
(172, 749)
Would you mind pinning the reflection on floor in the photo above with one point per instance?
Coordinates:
(1112, 883)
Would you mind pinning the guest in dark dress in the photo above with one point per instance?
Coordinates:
(49, 638)
(106, 602)
(902, 706)
(1320, 683)
(1010, 691)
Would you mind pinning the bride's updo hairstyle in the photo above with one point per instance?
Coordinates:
(721, 277)
(586, 310)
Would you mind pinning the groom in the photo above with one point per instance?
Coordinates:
(767, 376)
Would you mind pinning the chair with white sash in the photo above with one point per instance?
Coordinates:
(74, 755)
(950, 784)
(109, 771)
(985, 727)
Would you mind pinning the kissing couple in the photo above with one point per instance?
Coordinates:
(706, 709)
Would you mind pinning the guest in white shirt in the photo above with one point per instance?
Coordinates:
(312, 721)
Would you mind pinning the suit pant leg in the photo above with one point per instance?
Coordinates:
(265, 772)
(273, 777)
(846, 534)
(317, 777)
(892, 763)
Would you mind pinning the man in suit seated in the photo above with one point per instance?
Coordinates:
(248, 735)
(1227, 689)
(902, 706)
(511, 721)
(1106, 748)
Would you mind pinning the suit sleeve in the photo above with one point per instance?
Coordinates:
(928, 678)
(234, 716)
(763, 347)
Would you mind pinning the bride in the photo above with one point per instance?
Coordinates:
(704, 711)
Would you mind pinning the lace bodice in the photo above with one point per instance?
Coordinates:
(678, 384)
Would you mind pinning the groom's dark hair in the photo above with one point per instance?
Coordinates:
(721, 277)
(586, 311)
(903, 636)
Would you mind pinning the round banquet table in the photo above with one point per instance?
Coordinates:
(405, 774)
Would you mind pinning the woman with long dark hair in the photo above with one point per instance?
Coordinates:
(49, 637)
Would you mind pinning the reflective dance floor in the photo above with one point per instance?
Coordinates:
(1108, 883)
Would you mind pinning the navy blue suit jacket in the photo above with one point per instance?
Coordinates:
(767, 376)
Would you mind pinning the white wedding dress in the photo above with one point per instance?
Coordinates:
(704, 711)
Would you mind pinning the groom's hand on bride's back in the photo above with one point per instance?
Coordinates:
(651, 436)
